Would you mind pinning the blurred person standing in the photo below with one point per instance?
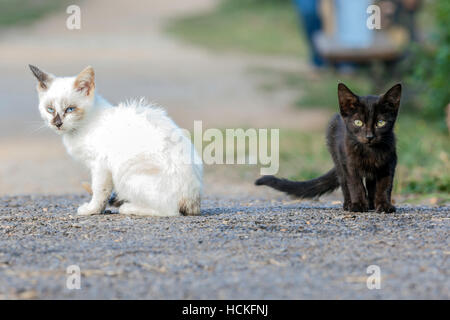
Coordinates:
(351, 24)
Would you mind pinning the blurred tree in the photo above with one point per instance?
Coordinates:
(429, 65)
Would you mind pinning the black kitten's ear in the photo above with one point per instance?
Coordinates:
(393, 95)
(347, 99)
(85, 81)
(44, 78)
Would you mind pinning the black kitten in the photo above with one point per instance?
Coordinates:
(361, 141)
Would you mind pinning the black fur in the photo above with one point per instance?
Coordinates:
(303, 189)
(361, 141)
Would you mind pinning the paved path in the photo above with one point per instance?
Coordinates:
(238, 249)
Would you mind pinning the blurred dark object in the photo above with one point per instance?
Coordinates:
(381, 49)
(347, 40)
(400, 13)
(308, 11)
(337, 32)
(367, 45)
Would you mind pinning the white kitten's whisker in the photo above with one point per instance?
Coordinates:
(35, 130)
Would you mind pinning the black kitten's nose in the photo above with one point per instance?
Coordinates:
(369, 137)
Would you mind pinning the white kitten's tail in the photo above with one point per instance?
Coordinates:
(189, 206)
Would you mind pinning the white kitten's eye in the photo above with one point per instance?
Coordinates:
(70, 109)
(50, 109)
(358, 123)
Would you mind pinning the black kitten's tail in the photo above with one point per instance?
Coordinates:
(303, 189)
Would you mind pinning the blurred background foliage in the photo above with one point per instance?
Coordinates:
(427, 68)
(13, 12)
(271, 27)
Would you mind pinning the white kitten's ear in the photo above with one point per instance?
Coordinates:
(45, 79)
(85, 81)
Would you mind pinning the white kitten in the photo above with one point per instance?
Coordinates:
(135, 149)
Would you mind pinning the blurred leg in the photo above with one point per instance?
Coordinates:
(308, 11)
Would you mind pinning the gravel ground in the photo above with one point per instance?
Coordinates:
(237, 249)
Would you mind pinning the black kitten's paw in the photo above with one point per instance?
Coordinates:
(347, 205)
(371, 206)
(385, 207)
(358, 207)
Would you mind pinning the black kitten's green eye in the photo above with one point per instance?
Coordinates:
(381, 123)
(50, 109)
(358, 123)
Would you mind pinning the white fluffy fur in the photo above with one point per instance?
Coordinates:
(133, 149)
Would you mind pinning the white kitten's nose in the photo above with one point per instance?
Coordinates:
(57, 121)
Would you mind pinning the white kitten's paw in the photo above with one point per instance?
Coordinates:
(88, 209)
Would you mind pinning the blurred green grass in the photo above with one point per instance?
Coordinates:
(13, 12)
(264, 27)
